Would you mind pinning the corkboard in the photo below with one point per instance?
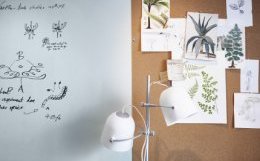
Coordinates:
(192, 142)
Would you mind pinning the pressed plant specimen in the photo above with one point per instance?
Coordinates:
(201, 39)
(58, 28)
(30, 29)
(209, 93)
(238, 6)
(155, 3)
(233, 45)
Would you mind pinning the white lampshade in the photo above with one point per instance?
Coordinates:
(118, 126)
(177, 97)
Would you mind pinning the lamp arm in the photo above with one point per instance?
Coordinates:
(113, 140)
(143, 104)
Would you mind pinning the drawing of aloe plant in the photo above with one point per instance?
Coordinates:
(30, 30)
(58, 28)
(202, 40)
(155, 3)
(209, 94)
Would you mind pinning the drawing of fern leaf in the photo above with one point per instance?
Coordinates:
(192, 67)
(193, 90)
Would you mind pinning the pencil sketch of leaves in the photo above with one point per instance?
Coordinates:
(238, 6)
(193, 90)
(192, 70)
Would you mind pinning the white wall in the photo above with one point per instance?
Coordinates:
(96, 67)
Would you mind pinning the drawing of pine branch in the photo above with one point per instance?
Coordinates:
(193, 90)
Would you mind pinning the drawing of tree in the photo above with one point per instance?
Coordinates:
(233, 45)
(22, 69)
(202, 40)
(155, 3)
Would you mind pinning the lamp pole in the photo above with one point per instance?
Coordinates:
(147, 112)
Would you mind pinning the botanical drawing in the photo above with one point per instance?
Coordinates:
(191, 70)
(209, 94)
(238, 6)
(233, 46)
(247, 109)
(249, 76)
(154, 4)
(22, 69)
(193, 90)
(30, 29)
(58, 28)
(201, 41)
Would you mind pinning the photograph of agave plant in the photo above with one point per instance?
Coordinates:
(157, 11)
(201, 36)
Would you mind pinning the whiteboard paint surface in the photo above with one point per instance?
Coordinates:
(95, 66)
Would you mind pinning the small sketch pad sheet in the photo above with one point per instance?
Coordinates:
(247, 110)
(240, 12)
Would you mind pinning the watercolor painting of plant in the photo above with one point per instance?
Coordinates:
(201, 40)
(154, 3)
(209, 94)
(233, 46)
(238, 6)
(162, 19)
(193, 90)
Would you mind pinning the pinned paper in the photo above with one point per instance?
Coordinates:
(240, 12)
(231, 42)
(249, 76)
(201, 36)
(247, 110)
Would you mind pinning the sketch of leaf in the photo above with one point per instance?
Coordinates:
(192, 70)
(241, 3)
(193, 90)
(233, 6)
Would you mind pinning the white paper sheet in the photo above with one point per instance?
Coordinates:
(178, 26)
(240, 12)
(247, 110)
(249, 76)
(201, 45)
(206, 86)
(223, 30)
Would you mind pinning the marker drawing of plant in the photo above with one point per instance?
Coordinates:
(201, 40)
(238, 6)
(154, 3)
(233, 46)
(30, 29)
(22, 69)
(209, 94)
(58, 28)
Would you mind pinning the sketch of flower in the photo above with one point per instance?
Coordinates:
(58, 28)
(45, 41)
(30, 30)
(247, 110)
(237, 6)
(22, 69)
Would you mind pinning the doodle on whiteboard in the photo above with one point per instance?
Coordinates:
(53, 46)
(22, 69)
(238, 6)
(247, 110)
(58, 28)
(30, 29)
(55, 97)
